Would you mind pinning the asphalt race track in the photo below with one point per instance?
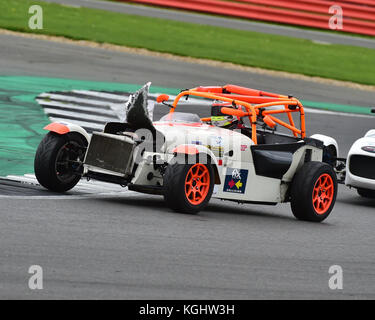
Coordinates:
(129, 246)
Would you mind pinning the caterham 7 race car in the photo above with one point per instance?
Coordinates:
(360, 165)
(235, 154)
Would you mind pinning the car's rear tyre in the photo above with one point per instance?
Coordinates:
(55, 163)
(313, 192)
(188, 187)
(366, 193)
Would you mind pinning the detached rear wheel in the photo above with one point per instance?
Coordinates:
(57, 160)
(313, 193)
(188, 187)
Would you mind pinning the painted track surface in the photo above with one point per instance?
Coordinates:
(147, 11)
(132, 247)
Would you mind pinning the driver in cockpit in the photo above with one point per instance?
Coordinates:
(222, 120)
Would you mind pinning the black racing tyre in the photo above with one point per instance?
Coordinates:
(188, 187)
(54, 160)
(366, 193)
(313, 191)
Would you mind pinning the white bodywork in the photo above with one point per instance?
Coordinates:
(230, 154)
(327, 141)
(257, 188)
(351, 179)
(370, 134)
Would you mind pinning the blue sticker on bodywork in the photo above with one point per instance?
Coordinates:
(235, 180)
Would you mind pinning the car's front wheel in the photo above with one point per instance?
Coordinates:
(188, 187)
(57, 159)
(313, 191)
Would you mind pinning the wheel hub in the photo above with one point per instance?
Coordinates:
(197, 184)
(323, 193)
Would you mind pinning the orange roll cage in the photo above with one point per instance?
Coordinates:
(255, 102)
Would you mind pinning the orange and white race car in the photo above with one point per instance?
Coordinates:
(236, 154)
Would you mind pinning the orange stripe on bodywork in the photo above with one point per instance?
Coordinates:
(184, 149)
(57, 127)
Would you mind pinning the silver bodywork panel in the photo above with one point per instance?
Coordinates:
(108, 153)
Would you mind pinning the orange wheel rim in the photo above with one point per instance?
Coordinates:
(323, 192)
(197, 184)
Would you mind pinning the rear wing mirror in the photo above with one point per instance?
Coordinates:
(162, 98)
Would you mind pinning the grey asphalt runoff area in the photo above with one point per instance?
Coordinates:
(133, 247)
(212, 20)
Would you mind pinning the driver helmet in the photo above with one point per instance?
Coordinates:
(219, 119)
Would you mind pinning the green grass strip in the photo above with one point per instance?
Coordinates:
(274, 52)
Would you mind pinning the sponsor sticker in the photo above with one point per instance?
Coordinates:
(217, 151)
(235, 180)
(218, 141)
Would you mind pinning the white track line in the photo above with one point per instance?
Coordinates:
(53, 104)
(91, 185)
(55, 96)
(77, 197)
(120, 97)
(87, 117)
(91, 189)
(22, 179)
(321, 111)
